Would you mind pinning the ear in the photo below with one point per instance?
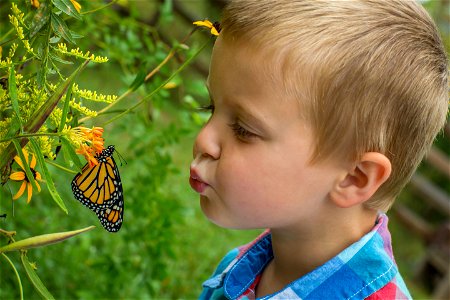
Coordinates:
(362, 181)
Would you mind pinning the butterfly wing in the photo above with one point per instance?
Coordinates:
(111, 218)
(100, 189)
(100, 186)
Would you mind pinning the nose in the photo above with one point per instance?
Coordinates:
(207, 143)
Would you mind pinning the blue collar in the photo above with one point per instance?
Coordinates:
(355, 273)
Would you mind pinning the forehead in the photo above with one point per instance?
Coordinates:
(243, 67)
(240, 68)
(244, 83)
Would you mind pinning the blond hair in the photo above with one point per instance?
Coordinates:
(374, 74)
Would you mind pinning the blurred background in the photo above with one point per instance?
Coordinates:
(166, 248)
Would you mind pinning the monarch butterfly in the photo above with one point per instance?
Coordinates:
(100, 189)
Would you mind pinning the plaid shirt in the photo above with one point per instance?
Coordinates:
(365, 270)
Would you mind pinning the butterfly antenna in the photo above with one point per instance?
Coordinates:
(121, 158)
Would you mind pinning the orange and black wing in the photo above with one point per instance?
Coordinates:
(111, 218)
(100, 189)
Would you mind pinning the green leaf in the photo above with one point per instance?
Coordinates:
(59, 59)
(34, 278)
(43, 51)
(43, 240)
(40, 18)
(40, 115)
(55, 39)
(67, 7)
(14, 128)
(44, 111)
(27, 169)
(70, 154)
(138, 80)
(76, 35)
(47, 176)
(12, 87)
(61, 29)
(65, 107)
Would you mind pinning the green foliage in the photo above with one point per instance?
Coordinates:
(45, 96)
(166, 248)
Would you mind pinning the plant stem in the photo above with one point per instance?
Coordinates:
(98, 8)
(8, 234)
(27, 135)
(187, 62)
(60, 167)
(17, 275)
(169, 55)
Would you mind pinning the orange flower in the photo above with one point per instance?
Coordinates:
(21, 176)
(88, 141)
(94, 136)
(89, 154)
(35, 3)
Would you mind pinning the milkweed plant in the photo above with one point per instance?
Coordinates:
(44, 112)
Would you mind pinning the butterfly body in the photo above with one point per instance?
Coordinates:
(100, 189)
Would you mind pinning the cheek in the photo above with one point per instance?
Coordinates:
(248, 178)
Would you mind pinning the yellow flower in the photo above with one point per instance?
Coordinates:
(215, 27)
(21, 176)
(76, 5)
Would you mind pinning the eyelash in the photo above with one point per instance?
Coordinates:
(239, 131)
(209, 107)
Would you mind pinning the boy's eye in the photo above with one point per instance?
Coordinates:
(240, 132)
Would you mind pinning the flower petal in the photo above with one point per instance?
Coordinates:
(30, 192)
(38, 186)
(33, 158)
(19, 161)
(92, 161)
(20, 191)
(204, 23)
(38, 176)
(97, 131)
(25, 153)
(18, 176)
(35, 3)
(214, 31)
(76, 5)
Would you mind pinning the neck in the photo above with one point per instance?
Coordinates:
(301, 249)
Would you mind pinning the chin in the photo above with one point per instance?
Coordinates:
(218, 216)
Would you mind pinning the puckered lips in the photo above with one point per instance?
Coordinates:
(196, 182)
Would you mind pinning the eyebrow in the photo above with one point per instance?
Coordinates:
(247, 116)
(244, 114)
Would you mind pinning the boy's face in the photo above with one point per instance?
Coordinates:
(251, 158)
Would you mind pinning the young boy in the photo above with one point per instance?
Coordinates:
(321, 112)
